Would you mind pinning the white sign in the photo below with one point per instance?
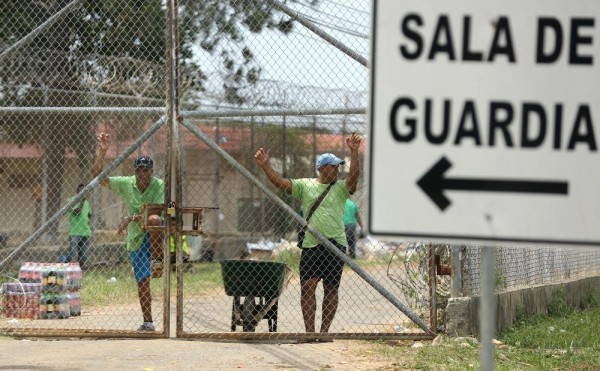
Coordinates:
(485, 121)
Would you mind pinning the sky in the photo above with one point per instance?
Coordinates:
(312, 61)
(304, 59)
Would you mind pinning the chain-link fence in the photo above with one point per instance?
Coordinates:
(65, 67)
(519, 267)
(198, 86)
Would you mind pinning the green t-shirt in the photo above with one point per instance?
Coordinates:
(184, 246)
(79, 224)
(125, 186)
(328, 217)
(350, 212)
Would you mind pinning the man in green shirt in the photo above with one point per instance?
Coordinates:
(317, 262)
(80, 230)
(352, 219)
(145, 247)
(185, 249)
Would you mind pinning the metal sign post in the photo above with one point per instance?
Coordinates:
(483, 117)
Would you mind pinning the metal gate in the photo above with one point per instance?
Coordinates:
(199, 102)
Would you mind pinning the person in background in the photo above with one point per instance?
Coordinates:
(184, 245)
(351, 220)
(317, 262)
(80, 231)
(145, 247)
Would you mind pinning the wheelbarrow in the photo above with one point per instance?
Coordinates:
(260, 283)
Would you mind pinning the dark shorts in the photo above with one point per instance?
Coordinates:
(319, 262)
(140, 260)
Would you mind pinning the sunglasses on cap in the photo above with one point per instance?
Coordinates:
(143, 162)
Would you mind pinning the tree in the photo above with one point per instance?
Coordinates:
(116, 40)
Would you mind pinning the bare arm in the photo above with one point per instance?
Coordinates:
(103, 143)
(262, 159)
(353, 142)
(125, 222)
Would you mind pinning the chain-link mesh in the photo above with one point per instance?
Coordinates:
(73, 69)
(288, 76)
(65, 67)
(412, 270)
(248, 225)
(518, 267)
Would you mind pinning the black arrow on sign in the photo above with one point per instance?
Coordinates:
(433, 183)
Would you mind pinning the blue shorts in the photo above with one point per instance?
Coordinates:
(140, 260)
(319, 262)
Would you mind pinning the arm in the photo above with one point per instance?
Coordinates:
(153, 219)
(353, 142)
(125, 222)
(77, 211)
(262, 159)
(103, 143)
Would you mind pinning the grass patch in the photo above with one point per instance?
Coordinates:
(576, 330)
(568, 342)
(116, 285)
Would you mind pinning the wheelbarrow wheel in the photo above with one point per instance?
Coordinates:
(248, 312)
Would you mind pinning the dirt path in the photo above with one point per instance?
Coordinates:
(172, 354)
(361, 310)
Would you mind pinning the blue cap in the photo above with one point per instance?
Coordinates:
(328, 159)
(144, 161)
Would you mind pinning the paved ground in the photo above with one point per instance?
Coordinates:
(171, 354)
(361, 310)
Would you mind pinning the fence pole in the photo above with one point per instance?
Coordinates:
(487, 318)
(432, 289)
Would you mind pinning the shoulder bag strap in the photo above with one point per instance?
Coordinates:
(318, 202)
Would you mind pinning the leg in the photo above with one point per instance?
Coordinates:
(156, 238)
(309, 278)
(140, 260)
(145, 299)
(332, 277)
(84, 243)
(351, 238)
(330, 304)
(72, 252)
(308, 303)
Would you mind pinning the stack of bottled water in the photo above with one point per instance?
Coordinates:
(58, 288)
